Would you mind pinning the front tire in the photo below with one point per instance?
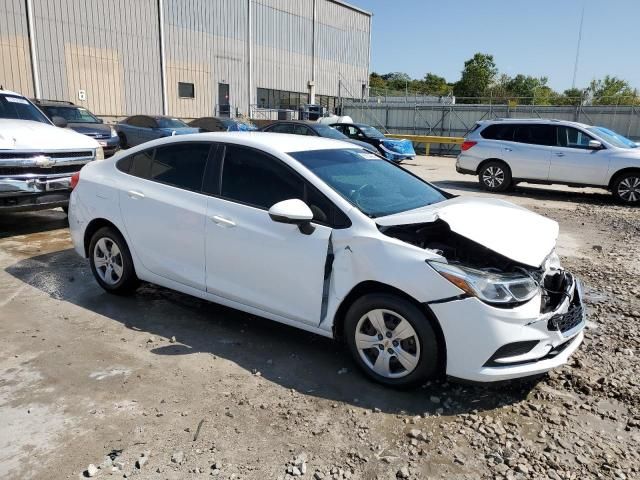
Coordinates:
(495, 176)
(391, 340)
(111, 262)
(626, 188)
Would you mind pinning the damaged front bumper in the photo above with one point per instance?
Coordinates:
(487, 343)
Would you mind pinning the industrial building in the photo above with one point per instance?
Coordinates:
(185, 58)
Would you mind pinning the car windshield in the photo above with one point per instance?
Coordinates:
(18, 108)
(371, 132)
(164, 122)
(613, 138)
(373, 185)
(70, 114)
(329, 132)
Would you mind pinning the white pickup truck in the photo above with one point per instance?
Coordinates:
(37, 158)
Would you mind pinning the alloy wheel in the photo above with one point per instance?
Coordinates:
(387, 343)
(493, 177)
(629, 189)
(107, 260)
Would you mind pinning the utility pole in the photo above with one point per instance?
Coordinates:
(575, 67)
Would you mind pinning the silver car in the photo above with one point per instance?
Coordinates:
(505, 152)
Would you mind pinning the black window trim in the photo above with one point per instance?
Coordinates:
(213, 148)
(305, 183)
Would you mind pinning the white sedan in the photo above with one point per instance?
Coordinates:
(329, 238)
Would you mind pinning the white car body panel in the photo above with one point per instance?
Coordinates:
(27, 135)
(235, 255)
(503, 227)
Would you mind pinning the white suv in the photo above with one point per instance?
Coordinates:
(505, 152)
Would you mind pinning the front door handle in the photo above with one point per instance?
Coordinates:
(507, 149)
(222, 221)
(135, 194)
(559, 154)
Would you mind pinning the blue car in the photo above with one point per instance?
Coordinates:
(390, 148)
(142, 128)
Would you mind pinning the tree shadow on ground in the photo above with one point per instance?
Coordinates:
(287, 356)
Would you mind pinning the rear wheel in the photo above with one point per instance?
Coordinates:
(111, 262)
(391, 340)
(626, 188)
(495, 176)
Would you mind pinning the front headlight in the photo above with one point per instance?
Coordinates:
(113, 132)
(498, 288)
(99, 153)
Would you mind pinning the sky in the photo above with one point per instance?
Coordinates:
(532, 37)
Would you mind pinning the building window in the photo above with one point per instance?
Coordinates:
(269, 98)
(186, 90)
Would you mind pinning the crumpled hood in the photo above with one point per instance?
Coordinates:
(30, 135)
(404, 147)
(505, 228)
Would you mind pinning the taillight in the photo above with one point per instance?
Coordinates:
(467, 145)
(75, 178)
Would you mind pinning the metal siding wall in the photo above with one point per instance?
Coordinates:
(15, 60)
(108, 48)
(282, 38)
(342, 49)
(206, 45)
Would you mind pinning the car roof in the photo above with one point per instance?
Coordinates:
(550, 121)
(281, 142)
(9, 92)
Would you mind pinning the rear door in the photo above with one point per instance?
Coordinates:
(573, 162)
(250, 258)
(164, 210)
(532, 145)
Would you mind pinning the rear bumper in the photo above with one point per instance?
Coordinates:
(464, 171)
(479, 337)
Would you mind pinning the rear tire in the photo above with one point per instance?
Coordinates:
(626, 188)
(495, 176)
(391, 340)
(111, 262)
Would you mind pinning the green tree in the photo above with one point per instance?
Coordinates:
(527, 89)
(612, 91)
(376, 83)
(571, 96)
(477, 76)
(397, 80)
(434, 84)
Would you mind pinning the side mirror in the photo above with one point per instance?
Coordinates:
(595, 145)
(295, 212)
(59, 121)
(100, 120)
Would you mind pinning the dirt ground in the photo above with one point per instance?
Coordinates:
(164, 386)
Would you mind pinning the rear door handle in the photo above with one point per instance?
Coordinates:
(507, 149)
(222, 221)
(135, 194)
(559, 154)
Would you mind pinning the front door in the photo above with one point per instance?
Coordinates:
(164, 211)
(573, 162)
(223, 100)
(250, 258)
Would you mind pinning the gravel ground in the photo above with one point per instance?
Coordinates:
(165, 386)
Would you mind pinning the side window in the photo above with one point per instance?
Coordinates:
(138, 165)
(573, 138)
(499, 131)
(181, 165)
(254, 178)
(281, 128)
(147, 122)
(134, 121)
(535, 134)
(302, 130)
(324, 211)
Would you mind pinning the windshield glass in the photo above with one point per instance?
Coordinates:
(70, 114)
(18, 108)
(171, 123)
(375, 186)
(613, 138)
(371, 132)
(329, 132)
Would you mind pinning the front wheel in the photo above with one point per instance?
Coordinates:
(111, 262)
(391, 340)
(495, 176)
(626, 188)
